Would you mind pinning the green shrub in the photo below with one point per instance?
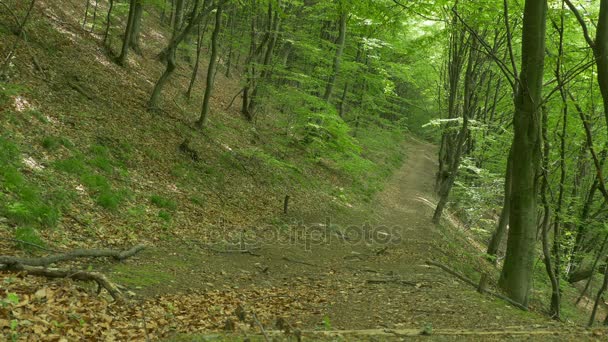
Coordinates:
(163, 202)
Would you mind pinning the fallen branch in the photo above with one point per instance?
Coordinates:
(299, 262)
(237, 251)
(38, 266)
(11, 261)
(475, 285)
(99, 278)
(392, 281)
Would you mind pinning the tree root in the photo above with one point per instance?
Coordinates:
(38, 266)
(475, 285)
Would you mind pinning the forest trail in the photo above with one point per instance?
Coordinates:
(345, 277)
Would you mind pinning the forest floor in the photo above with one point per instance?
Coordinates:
(334, 267)
(361, 275)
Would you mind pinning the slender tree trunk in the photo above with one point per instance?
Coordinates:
(122, 59)
(470, 85)
(516, 276)
(341, 42)
(598, 297)
(94, 16)
(265, 73)
(199, 45)
(503, 221)
(86, 14)
(134, 43)
(599, 255)
(546, 223)
(170, 52)
(170, 65)
(211, 70)
(108, 22)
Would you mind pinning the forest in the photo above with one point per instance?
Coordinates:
(257, 170)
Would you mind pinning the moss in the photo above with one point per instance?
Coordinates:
(140, 275)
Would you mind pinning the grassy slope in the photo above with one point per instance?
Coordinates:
(113, 173)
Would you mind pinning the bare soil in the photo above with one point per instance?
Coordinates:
(362, 270)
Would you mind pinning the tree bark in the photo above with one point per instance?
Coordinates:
(211, 69)
(122, 59)
(516, 276)
(546, 223)
(503, 221)
(341, 42)
(134, 43)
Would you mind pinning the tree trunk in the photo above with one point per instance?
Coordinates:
(134, 44)
(211, 70)
(170, 52)
(108, 22)
(338, 56)
(199, 45)
(503, 221)
(122, 59)
(516, 276)
(546, 223)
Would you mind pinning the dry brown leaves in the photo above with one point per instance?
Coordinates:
(43, 310)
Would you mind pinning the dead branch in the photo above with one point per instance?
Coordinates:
(475, 285)
(12, 261)
(392, 281)
(257, 321)
(99, 278)
(237, 251)
(299, 262)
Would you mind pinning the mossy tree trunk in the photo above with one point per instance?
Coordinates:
(516, 276)
(340, 43)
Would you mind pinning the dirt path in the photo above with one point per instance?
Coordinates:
(365, 270)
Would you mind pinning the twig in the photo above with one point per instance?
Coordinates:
(255, 318)
(34, 245)
(241, 251)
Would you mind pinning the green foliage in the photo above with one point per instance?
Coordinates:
(29, 236)
(51, 143)
(22, 202)
(8, 90)
(93, 171)
(163, 202)
(73, 165)
(10, 299)
(165, 216)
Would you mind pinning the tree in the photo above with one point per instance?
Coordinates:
(516, 276)
(211, 69)
(341, 41)
(129, 31)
